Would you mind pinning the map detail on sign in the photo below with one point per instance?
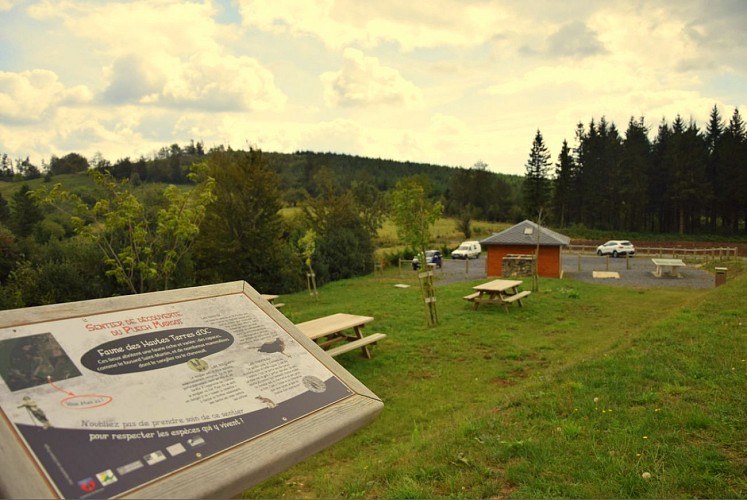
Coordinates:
(106, 403)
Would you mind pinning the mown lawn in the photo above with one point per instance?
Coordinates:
(578, 394)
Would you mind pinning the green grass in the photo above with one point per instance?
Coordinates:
(575, 395)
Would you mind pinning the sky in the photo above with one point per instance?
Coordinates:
(446, 82)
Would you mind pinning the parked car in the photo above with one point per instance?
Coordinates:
(616, 247)
(431, 257)
(467, 250)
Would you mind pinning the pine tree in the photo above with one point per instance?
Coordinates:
(536, 187)
(563, 184)
(733, 156)
(636, 165)
(25, 212)
(242, 234)
(714, 135)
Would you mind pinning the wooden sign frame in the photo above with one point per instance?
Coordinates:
(70, 375)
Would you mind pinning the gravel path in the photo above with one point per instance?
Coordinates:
(640, 273)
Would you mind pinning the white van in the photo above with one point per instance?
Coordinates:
(467, 250)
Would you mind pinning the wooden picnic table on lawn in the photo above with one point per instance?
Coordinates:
(331, 333)
(503, 292)
(271, 299)
(672, 264)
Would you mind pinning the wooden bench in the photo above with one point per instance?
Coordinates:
(471, 296)
(355, 344)
(517, 296)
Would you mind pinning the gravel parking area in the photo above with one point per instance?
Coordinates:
(456, 270)
(640, 273)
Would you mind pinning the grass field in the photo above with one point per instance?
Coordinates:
(580, 394)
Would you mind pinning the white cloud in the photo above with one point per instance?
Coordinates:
(225, 82)
(364, 81)
(218, 82)
(31, 95)
(341, 23)
(8, 4)
(142, 27)
(444, 81)
(167, 53)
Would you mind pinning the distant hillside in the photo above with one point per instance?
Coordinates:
(489, 195)
(297, 170)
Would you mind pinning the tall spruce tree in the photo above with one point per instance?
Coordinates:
(636, 165)
(659, 196)
(714, 134)
(563, 184)
(688, 156)
(733, 156)
(536, 187)
(241, 237)
(25, 213)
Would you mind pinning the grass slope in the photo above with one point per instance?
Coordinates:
(578, 394)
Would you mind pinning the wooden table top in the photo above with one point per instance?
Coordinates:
(334, 323)
(497, 285)
(668, 262)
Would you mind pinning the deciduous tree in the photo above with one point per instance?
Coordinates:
(142, 248)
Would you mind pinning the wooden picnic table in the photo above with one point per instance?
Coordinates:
(271, 299)
(672, 264)
(332, 333)
(503, 292)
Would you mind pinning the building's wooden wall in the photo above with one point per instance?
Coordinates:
(549, 258)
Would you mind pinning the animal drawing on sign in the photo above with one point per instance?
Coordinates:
(275, 346)
(269, 402)
(35, 412)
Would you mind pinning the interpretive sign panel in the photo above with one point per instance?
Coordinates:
(107, 402)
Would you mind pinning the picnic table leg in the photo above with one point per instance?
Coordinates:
(359, 334)
(502, 295)
(476, 302)
(505, 304)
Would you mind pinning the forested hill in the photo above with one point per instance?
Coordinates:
(297, 170)
(490, 195)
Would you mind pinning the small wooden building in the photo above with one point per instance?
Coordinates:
(521, 241)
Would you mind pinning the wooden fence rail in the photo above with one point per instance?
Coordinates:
(707, 254)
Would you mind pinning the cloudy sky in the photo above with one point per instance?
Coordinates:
(448, 82)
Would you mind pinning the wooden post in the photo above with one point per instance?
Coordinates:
(311, 284)
(428, 293)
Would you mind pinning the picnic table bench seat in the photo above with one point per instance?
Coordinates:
(472, 296)
(355, 344)
(516, 296)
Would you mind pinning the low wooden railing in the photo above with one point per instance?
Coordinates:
(705, 253)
